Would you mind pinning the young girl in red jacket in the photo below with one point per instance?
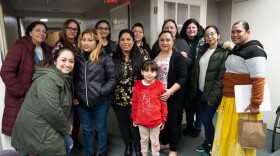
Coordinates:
(149, 112)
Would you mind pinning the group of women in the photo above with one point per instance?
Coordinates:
(46, 101)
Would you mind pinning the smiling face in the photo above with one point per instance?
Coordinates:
(126, 42)
(170, 26)
(239, 35)
(38, 34)
(166, 42)
(65, 61)
(88, 43)
(72, 31)
(191, 31)
(149, 75)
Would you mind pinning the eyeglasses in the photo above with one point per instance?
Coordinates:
(210, 34)
(103, 28)
(72, 29)
(40, 31)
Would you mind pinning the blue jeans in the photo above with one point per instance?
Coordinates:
(208, 113)
(94, 118)
(69, 144)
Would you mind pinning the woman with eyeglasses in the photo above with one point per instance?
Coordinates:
(18, 69)
(206, 84)
(246, 64)
(70, 32)
(104, 29)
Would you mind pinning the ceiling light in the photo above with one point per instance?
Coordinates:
(44, 20)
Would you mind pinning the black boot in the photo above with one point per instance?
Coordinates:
(195, 133)
(188, 129)
(138, 150)
(128, 150)
(78, 144)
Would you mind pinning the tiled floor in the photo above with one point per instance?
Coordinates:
(187, 144)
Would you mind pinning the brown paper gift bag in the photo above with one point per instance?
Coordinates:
(252, 133)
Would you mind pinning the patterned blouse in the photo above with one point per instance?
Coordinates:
(163, 66)
(123, 92)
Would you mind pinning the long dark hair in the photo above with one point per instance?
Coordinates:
(200, 30)
(64, 39)
(135, 56)
(104, 21)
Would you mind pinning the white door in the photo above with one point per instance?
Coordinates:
(181, 10)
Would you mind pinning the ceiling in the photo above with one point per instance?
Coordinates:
(57, 11)
(73, 6)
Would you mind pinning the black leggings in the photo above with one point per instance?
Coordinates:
(170, 133)
(128, 131)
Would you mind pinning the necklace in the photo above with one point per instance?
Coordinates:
(190, 42)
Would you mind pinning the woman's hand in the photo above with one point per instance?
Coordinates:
(252, 110)
(70, 131)
(75, 102)
(161, 126)
(135, 124)
(166, 95)
(209, 103)
(184, 53)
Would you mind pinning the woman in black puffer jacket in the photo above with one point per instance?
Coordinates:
(94, 80)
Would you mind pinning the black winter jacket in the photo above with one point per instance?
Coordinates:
(214, 75)
(93, 82)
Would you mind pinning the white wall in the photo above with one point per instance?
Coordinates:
(140, 13)
(225, 7)
(10, 22)
(99, 12)
(212, 13)
(9, 35)
(264, 24)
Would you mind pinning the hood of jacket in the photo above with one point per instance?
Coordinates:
(252, 43)
(41, 71)
(27, 41)
(224, 45)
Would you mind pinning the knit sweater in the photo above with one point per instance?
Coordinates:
(246, 65)
(147, 108)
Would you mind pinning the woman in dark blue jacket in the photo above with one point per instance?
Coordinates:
(94, 80)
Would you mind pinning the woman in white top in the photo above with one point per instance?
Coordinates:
(206, 82)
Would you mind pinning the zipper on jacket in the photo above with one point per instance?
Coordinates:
(86, 79)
